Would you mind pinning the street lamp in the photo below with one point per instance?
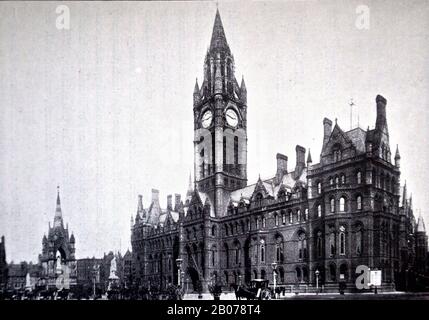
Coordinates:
(317, 280)
(274, 266)
(179, 265)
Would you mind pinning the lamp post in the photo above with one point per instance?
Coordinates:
(179, 274)
(317, 280)
(274, 266)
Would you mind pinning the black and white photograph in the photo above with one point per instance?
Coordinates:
(214, 150)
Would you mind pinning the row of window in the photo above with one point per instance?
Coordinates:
(259, 251)
(343, 204)
(339, 180)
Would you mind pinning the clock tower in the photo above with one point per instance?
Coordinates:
(220, 125)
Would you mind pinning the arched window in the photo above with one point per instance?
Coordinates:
(359, 202)
(337, 181)
(342, 240)
(359, 241)
(249, 226)
(302, 246)
(213, 256)
(342, 204)
(298, 215)
(319, 187)
(283, 217)
(359, 177)
(279, 250)
(332, 202)
(262, 251)
(319, 211)
(331, 181)
(343, 179)
(276, 219)
(257, 223)
(319, 244)
(237, 253)
(235, 150)
(224, 150)
(214, 231)
(259, 196)
(332, 243)
(306, 214)
(343, 271)
(298, 274)
(263, 223)
(290, 216)
(333, 272)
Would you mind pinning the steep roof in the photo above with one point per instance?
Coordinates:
(357, 137)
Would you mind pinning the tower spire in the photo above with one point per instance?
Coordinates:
(218, 39)
(58, 219)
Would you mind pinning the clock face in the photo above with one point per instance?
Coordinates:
(207, 118)
(231, 117)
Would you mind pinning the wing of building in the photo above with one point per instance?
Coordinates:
(313, 223)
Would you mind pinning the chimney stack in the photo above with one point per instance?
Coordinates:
(169, 202)
(381, 112)
(281, 166)
(177, 199)
(327, 128)
(155, 195)
(300, 160)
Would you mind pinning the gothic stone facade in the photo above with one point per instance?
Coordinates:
(347, 210)
(58, 254)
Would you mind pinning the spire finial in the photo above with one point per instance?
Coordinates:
(351, 104)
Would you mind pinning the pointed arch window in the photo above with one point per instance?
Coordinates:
(359, 177)
(342, 239)
(235, 150)
(343, 179)
(319, 211)
(359, 202)
(342, 204)
(332, 204)
(262, 251)
(283, 217)
(276, 219)
(290, 217)
(237, 254)
(224, 150)
(319, 243)
(298, 215)
(319, 187)
(302, 246)
(263, 223)
(332, 244)
(306, 214)
(359, 241)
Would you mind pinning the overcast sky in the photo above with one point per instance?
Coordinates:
(104, 109)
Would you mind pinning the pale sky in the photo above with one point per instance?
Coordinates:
(104, 109)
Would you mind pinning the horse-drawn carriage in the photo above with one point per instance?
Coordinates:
(258, 289)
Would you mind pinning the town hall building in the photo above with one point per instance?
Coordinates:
(311, 221)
